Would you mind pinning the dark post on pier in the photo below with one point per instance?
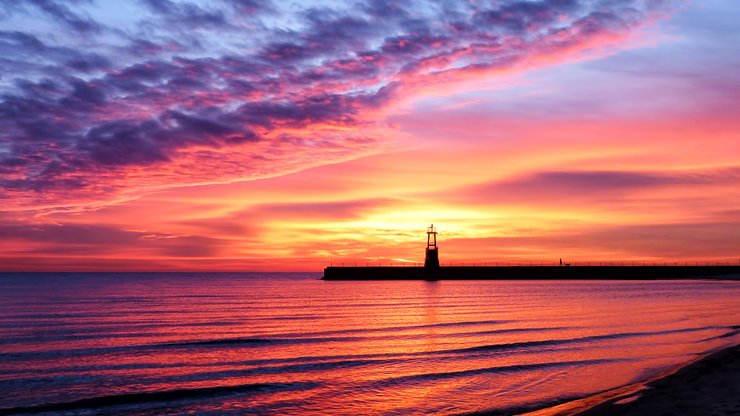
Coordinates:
(431, 260)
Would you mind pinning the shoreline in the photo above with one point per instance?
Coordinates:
(707, 385)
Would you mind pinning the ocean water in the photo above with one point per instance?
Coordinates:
(283, 344)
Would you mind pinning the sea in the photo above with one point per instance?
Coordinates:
(291, 344)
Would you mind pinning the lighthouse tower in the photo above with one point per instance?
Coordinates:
(432, 253)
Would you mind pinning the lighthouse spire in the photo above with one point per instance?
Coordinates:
(431, 260)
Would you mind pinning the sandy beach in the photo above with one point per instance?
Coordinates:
(709, 387)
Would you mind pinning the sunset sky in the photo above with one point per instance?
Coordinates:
(288, 135)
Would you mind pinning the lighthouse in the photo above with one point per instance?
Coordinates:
(431, 260)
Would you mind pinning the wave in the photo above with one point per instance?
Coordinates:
(405, 327)
(255, 341)
(488, 370)
(219, 376)
(527, 344)
(735, 330)
(158, 396)
(220, 342)
(298, 338)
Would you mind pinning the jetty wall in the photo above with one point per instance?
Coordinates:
(729, 272)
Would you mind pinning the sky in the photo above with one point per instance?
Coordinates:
(224, 135)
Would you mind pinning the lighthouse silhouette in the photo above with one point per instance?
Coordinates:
(431, 260)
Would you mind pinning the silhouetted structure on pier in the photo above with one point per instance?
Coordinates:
(431, 260)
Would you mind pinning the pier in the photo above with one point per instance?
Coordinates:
(432, 270)
(730, 272)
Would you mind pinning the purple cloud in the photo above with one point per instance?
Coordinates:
(239, 89)
(60, 13)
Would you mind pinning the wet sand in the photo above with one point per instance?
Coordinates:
(707, 387)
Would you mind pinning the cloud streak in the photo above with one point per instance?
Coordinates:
(694, 241)
(70, 239)
(597, 187)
